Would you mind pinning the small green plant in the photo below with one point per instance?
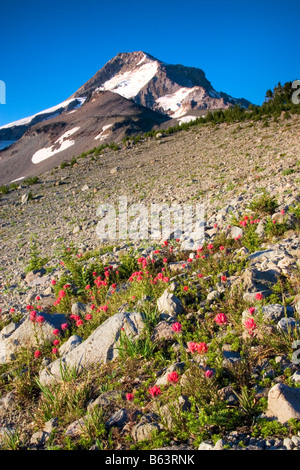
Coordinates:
(4, 189)
(35, 261)
(295, 211)
(13, 186)
(274, 228)
(288, 171)
(135, 348)
(264, 205)
(31, 180)
(265, 428)
(11, 440)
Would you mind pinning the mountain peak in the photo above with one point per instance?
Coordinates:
(169, 89)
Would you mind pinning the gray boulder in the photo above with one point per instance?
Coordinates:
(170, 304)
(28, 334)
(283, 403)
(287, 324)
(255, 281)
(100, 347)
(143, 431)
(70, 344)
(274, 312)
(118, 419)
(206, 445)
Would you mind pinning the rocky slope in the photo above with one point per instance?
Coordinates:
(197, 356)
(103, 119)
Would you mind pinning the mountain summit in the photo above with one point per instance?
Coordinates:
(169, 89)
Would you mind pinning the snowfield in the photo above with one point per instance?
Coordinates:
(48, 152)
(129, 84)
(187, 119)
(173, 101)
(102, 135)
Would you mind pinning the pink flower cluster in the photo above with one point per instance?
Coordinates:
(250, 325)
(154, 391)
(177, 327)
(173, 377)
(248, 220)
(200, 348)
(220, 319)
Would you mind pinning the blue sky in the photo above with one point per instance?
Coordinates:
(49, 49)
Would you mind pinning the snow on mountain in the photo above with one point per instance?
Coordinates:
(186, 119)
(60, 144)
(28, 120)
(174, 90)
(128, 84)
(103, 134)
(107, 116)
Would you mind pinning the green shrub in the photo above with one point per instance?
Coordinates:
(288, 171)
(31, 180)
(4, 189)
(36, 261)
(275, 229)
(264, 205)
(64, 165)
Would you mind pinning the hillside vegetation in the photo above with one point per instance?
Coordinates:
(150, 344)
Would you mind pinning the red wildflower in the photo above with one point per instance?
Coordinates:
(250, 325)
(173, 377)
(32, 316)
(192, 346)
(177, 327)
(154, 391)
(221, 319)
(202, 348)
(209, 373)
